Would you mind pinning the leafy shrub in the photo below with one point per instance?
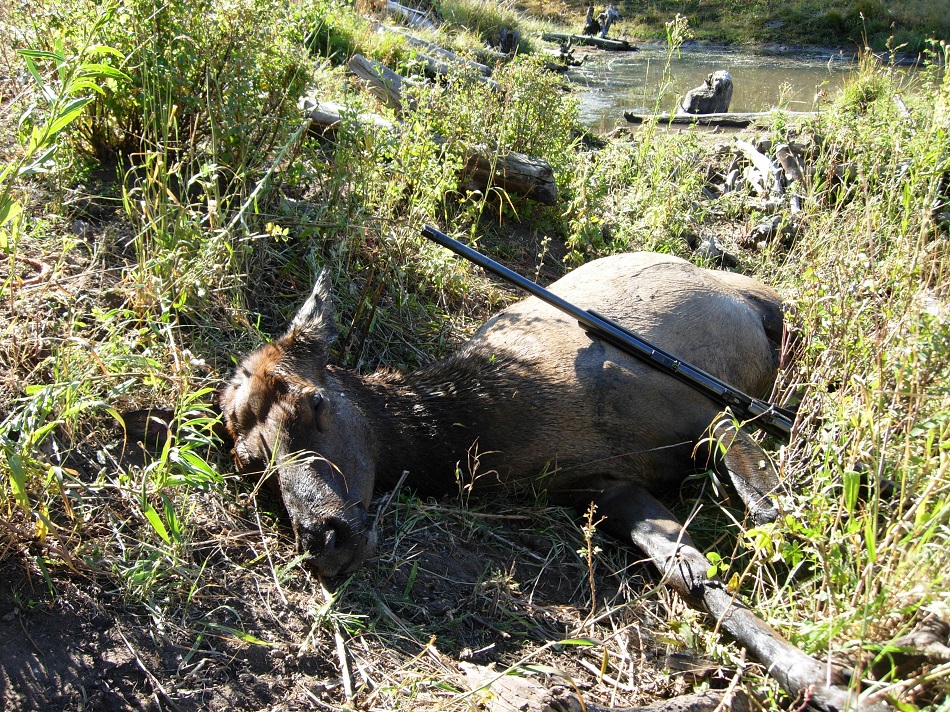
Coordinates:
(526, 111)
(332, 30)
(226, 75)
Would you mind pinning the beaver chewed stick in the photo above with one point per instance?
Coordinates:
(43, 271)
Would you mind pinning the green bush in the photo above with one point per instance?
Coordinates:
(226, 76)
(331, 29)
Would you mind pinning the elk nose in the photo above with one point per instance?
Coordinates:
(333, 535)
(326, 539)
(335, 547)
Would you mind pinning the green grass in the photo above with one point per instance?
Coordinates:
(829, 23)
(212, 208)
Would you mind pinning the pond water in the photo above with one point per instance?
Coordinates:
(609, 83)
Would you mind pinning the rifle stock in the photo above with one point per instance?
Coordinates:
(766, 416)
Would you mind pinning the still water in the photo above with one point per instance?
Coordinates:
(609, 83)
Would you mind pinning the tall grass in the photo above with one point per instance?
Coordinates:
(874, 362)
(836, 23)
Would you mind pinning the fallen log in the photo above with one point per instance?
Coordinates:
(794, 172)
(412, 17)
(326, 117)
(731, 119)
(762, 163)
(438, 68)
(434, 51)
(484, 169)
(511, 171)
(600, 42)
(769, 171)
(385, 84)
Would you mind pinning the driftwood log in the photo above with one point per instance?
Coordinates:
(606, 19)
(484, 169)
(511, 171)
(612, 45)
(733, 119)
(591, 26)
(434, 53)
(711, 97)
(409, 15)
(794, 171)
(767, 173)
(326, 117)
(382, 82)
(387, 85)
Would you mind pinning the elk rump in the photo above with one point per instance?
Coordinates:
(532, 402)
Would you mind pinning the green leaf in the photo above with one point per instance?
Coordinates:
(41, 563)
(86, 84)
(31, 68)
(104, 70)
(40, 54)
(199, 466)
(36, 165)
(852, 483)
(583, 642)
(79, 407)
(69, 113)
(9, 210)
(61, 65)
(870, 538)
(116, 415)
(105, 49)
(174, 524)
(239, 634)
(38, 435)
(157, 524)
(18, 481)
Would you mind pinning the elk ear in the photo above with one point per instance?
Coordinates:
(315, 324)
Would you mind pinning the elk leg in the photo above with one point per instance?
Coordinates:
(748, 468)
(633, 514)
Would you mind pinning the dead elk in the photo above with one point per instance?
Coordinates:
(534, 394)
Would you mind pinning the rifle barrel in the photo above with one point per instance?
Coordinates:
(767, 416)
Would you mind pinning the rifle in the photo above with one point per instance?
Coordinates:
(771, 418)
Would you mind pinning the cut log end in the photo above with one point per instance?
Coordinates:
(513, 172)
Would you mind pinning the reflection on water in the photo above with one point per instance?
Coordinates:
(608, 84)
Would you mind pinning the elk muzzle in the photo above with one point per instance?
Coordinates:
(337, 543)
(329, 518)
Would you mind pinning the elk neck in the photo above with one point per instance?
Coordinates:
(455, 416)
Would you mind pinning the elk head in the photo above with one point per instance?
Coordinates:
(288, 414)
